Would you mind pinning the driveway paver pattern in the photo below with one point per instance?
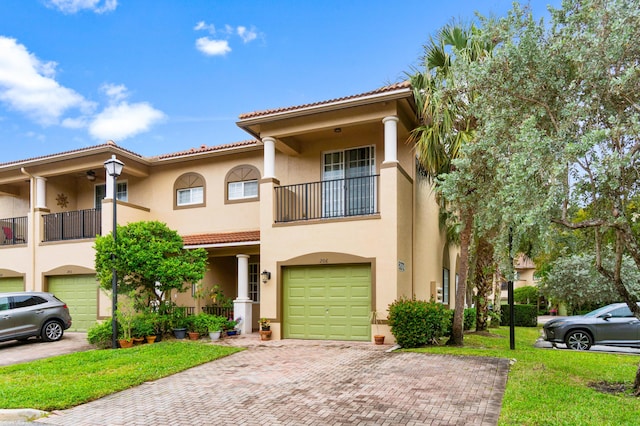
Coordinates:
(310, 383)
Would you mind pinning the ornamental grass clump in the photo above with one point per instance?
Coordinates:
(416, 323)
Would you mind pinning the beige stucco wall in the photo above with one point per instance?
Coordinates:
(157, 194)
(429, 244)
(14, 206)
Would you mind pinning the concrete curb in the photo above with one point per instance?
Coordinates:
(21, 414)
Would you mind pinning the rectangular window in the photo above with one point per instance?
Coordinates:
(445, 286)
(243, 189)
(254, 282)
(122, 193)
(349, 185)
(189, 196)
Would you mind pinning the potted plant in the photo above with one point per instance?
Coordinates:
(138, 332)
(215, 325)
(191, 328)
(265, 328)
(199, 323)
(178, 322)
(125, 314)
(378, 338)
(229, 328)
(144, 327)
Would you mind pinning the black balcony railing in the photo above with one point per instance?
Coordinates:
(13, 230)
(221, 311)
(356, 196)
(72, 225)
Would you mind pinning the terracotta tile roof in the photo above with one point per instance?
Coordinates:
(204, 148)
(389, 88)
(221, 238)
(89, 148)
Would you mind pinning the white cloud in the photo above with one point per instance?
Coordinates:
(74, 6)
(212, 47)
(115, 93)
(121, 120)
(246, 35)
(28, 85)
(203, 26)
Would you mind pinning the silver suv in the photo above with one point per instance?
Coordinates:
(29, 314)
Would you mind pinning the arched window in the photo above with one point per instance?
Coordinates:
(189, 191)
(241, 184)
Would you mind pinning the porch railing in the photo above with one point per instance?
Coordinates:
(355, 196)
(13, 230)
(220, 311)
(73, 225)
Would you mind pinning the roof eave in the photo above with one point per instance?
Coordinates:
(396, 94)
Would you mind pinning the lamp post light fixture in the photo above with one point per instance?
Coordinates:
(114, 169)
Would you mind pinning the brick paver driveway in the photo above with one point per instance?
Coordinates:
(310, 383)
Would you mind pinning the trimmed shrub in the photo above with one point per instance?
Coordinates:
(469, 321)
(100, 334)
(526, 295)
(416, 323)
(524, 315)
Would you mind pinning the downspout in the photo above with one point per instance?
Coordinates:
(32, 245)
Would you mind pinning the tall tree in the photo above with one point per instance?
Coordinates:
(445, 125)
(560, 108)
(150, 259)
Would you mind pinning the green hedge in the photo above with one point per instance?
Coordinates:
(525, 315)
(415, 323)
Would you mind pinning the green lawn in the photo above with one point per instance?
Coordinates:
(551, 386)
(68, 380)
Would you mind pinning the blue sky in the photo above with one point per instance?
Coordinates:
(160, 76)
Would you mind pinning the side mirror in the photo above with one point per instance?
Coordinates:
(606, 316)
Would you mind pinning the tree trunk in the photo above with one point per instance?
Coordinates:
(483, 278)
(457, 331)
(636, 384)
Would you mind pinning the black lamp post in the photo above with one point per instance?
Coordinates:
(114, 169)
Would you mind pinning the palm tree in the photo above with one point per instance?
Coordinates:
(445, 124)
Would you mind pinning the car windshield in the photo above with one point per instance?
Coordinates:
(597, 311)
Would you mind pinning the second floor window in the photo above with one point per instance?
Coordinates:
(122, 193)
(241, 190)
(189, 191)
(349, 186)
(242, 184)
(190, 196)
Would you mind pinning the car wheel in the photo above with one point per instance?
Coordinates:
(578, 340)
(52, 331)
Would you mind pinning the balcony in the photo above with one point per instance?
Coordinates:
(73, 225)
(355, 196)
(13, 230)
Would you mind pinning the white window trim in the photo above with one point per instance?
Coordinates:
(190, 190)
(243, 184)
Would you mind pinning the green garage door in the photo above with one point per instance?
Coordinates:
(327, 302)
(11, 284)
(80, 293)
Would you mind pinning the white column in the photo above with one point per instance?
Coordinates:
(109, 188)
(390, 139)
(269, 157)
(243, 306)
(41, 192)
